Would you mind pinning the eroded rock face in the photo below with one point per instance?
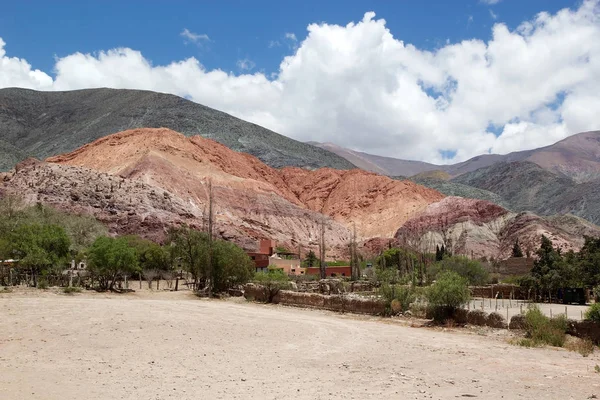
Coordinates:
(482, 229)
(279, 204)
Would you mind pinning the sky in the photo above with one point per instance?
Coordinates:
(438, 81)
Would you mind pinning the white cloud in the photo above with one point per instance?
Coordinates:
(274, 43)
(291, 36)
(490, 2)
(493, 15)
(246, 64)
(360, 87)
(192, 37)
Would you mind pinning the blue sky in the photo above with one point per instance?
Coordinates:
(40, 30)
(437, 81)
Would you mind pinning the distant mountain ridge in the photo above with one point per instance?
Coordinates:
(43, 124)
(577, 157)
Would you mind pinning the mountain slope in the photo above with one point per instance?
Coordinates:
(526, 186)
(479, 228)
(244, 185)
(43, 124)
(577, 157)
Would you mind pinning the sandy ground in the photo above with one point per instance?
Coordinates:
(175, 346)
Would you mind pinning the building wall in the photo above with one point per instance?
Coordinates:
(344, 271)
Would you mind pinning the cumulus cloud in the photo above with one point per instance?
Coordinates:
(359, 86)
(191, 37)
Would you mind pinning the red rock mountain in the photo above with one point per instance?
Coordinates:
(480, 228)
(253, 199)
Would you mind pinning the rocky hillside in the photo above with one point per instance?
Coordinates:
(479, 228)
(577, 157)
(42, 124)
(250, 193)
(525, 186)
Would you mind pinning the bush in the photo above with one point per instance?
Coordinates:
(397, 298)
(71, 290)
(593, 314)
(42, 284)
(472, 270)
(448, 293)
(542, 330)
(496, 320)
(585, 347)
(272, 282)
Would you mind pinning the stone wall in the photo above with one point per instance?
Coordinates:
(340, 303)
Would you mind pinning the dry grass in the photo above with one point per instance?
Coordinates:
(585, 347)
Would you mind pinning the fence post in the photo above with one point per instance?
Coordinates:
(566, 315)
(550, 312)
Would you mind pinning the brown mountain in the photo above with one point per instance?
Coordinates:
(253, 198)
(577, 157)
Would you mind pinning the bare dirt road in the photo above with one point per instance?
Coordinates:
(174, 346)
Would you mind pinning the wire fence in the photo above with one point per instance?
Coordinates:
(508, 308)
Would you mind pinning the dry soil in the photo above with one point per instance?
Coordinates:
(175, 346)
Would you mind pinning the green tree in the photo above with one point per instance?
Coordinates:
(231, 267)
(110, 258)
(516, 251)
(588, 261)
(472, 270)
(310, 260)
(191, 248)
(448, 293)
(546, 269)
(40, 247)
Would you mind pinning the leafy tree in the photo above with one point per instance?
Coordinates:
(109, 258)
(546, 269)
(516, 251)
(588, 260)
(472, 270)
(39, 247)
(448, 293)
(191, 248)
(310, 260)
(231, 267)
(230, 264)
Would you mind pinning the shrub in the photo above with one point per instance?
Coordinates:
(496, 320)
(593, 314)
(477, 317)
(542, 330)
(71, 290)
(397, 298)
(272, 282)
(42, 284)
(448, 293)
(585, 347)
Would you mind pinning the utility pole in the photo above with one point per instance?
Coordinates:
(355, 269)
(210, 238)
(322, 265)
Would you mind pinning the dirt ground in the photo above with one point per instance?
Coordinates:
(170, 345)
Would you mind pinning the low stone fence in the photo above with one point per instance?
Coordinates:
(585, 330)
(340, 303)
(336, 302)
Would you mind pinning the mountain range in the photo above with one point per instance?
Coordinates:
(43, 124)
(147, 179)
(577, 157)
